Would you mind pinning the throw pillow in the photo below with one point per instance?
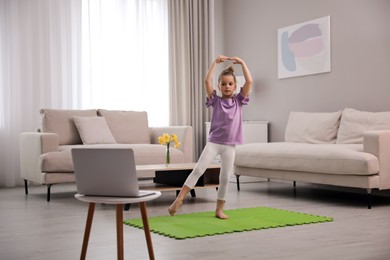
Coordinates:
(316, 128)
(127, 127)
(60, 121)
(94, 130)
(354, 123)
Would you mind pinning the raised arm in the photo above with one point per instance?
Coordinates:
(248, 78)
(209, 76)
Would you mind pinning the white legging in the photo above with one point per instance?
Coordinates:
(227, 153)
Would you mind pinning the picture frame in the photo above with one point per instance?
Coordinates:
(304, 48)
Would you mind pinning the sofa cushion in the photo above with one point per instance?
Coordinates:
(143, 154)
(94, 130)
(127, 127)
(303, 127)
(60, 121)
(318, 158)
(57, 161)
(354, 123)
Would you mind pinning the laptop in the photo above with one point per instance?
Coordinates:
(106, 172)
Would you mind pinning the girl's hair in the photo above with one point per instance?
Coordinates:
(228, 71)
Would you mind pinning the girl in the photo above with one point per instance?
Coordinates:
(225, 130)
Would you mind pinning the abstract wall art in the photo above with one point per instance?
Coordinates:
(304, 48)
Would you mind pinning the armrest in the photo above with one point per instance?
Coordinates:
(32, 145)
(378, 143)
(184, 134)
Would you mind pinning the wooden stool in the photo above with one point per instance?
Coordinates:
(119, 202)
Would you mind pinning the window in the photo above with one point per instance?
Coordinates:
(125, 57)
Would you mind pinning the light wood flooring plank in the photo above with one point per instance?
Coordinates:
(31, 228)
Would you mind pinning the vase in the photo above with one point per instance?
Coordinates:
(168, 158)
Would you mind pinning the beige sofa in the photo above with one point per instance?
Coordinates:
(348, 148)
(45, 156)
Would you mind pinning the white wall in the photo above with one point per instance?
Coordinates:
(360, 56)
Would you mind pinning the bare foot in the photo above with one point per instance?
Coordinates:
(174, 207)
(219, 214)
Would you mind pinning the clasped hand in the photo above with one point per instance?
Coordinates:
(223, 58)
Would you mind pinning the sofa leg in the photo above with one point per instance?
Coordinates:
(238, 181)
(26, 186)
(295, 190)
(369, 198)
(193, 193)
(48, 192)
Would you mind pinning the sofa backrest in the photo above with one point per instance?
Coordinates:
(60, 121)
(354, 123)
(341, 127)
(127, 127)
(316, 128)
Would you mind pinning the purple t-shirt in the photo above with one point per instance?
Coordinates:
(226, 119)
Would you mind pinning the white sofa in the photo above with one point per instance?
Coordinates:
(45, 156)
(348, 148)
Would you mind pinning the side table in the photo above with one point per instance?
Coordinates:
(119, 202)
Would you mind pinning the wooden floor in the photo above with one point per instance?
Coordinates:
(31, 228)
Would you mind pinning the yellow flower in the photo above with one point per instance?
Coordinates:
(175, 140)
(166, 139)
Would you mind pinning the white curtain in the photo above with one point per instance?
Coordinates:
(191, 46)
(125, 56)
(46, 61)
(39, 67)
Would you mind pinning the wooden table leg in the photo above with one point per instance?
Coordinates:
(119, 230)
(91, 210)
(142, 207)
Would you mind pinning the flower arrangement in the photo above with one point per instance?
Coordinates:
(167, 139)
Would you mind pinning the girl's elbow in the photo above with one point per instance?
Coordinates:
(249, 81)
